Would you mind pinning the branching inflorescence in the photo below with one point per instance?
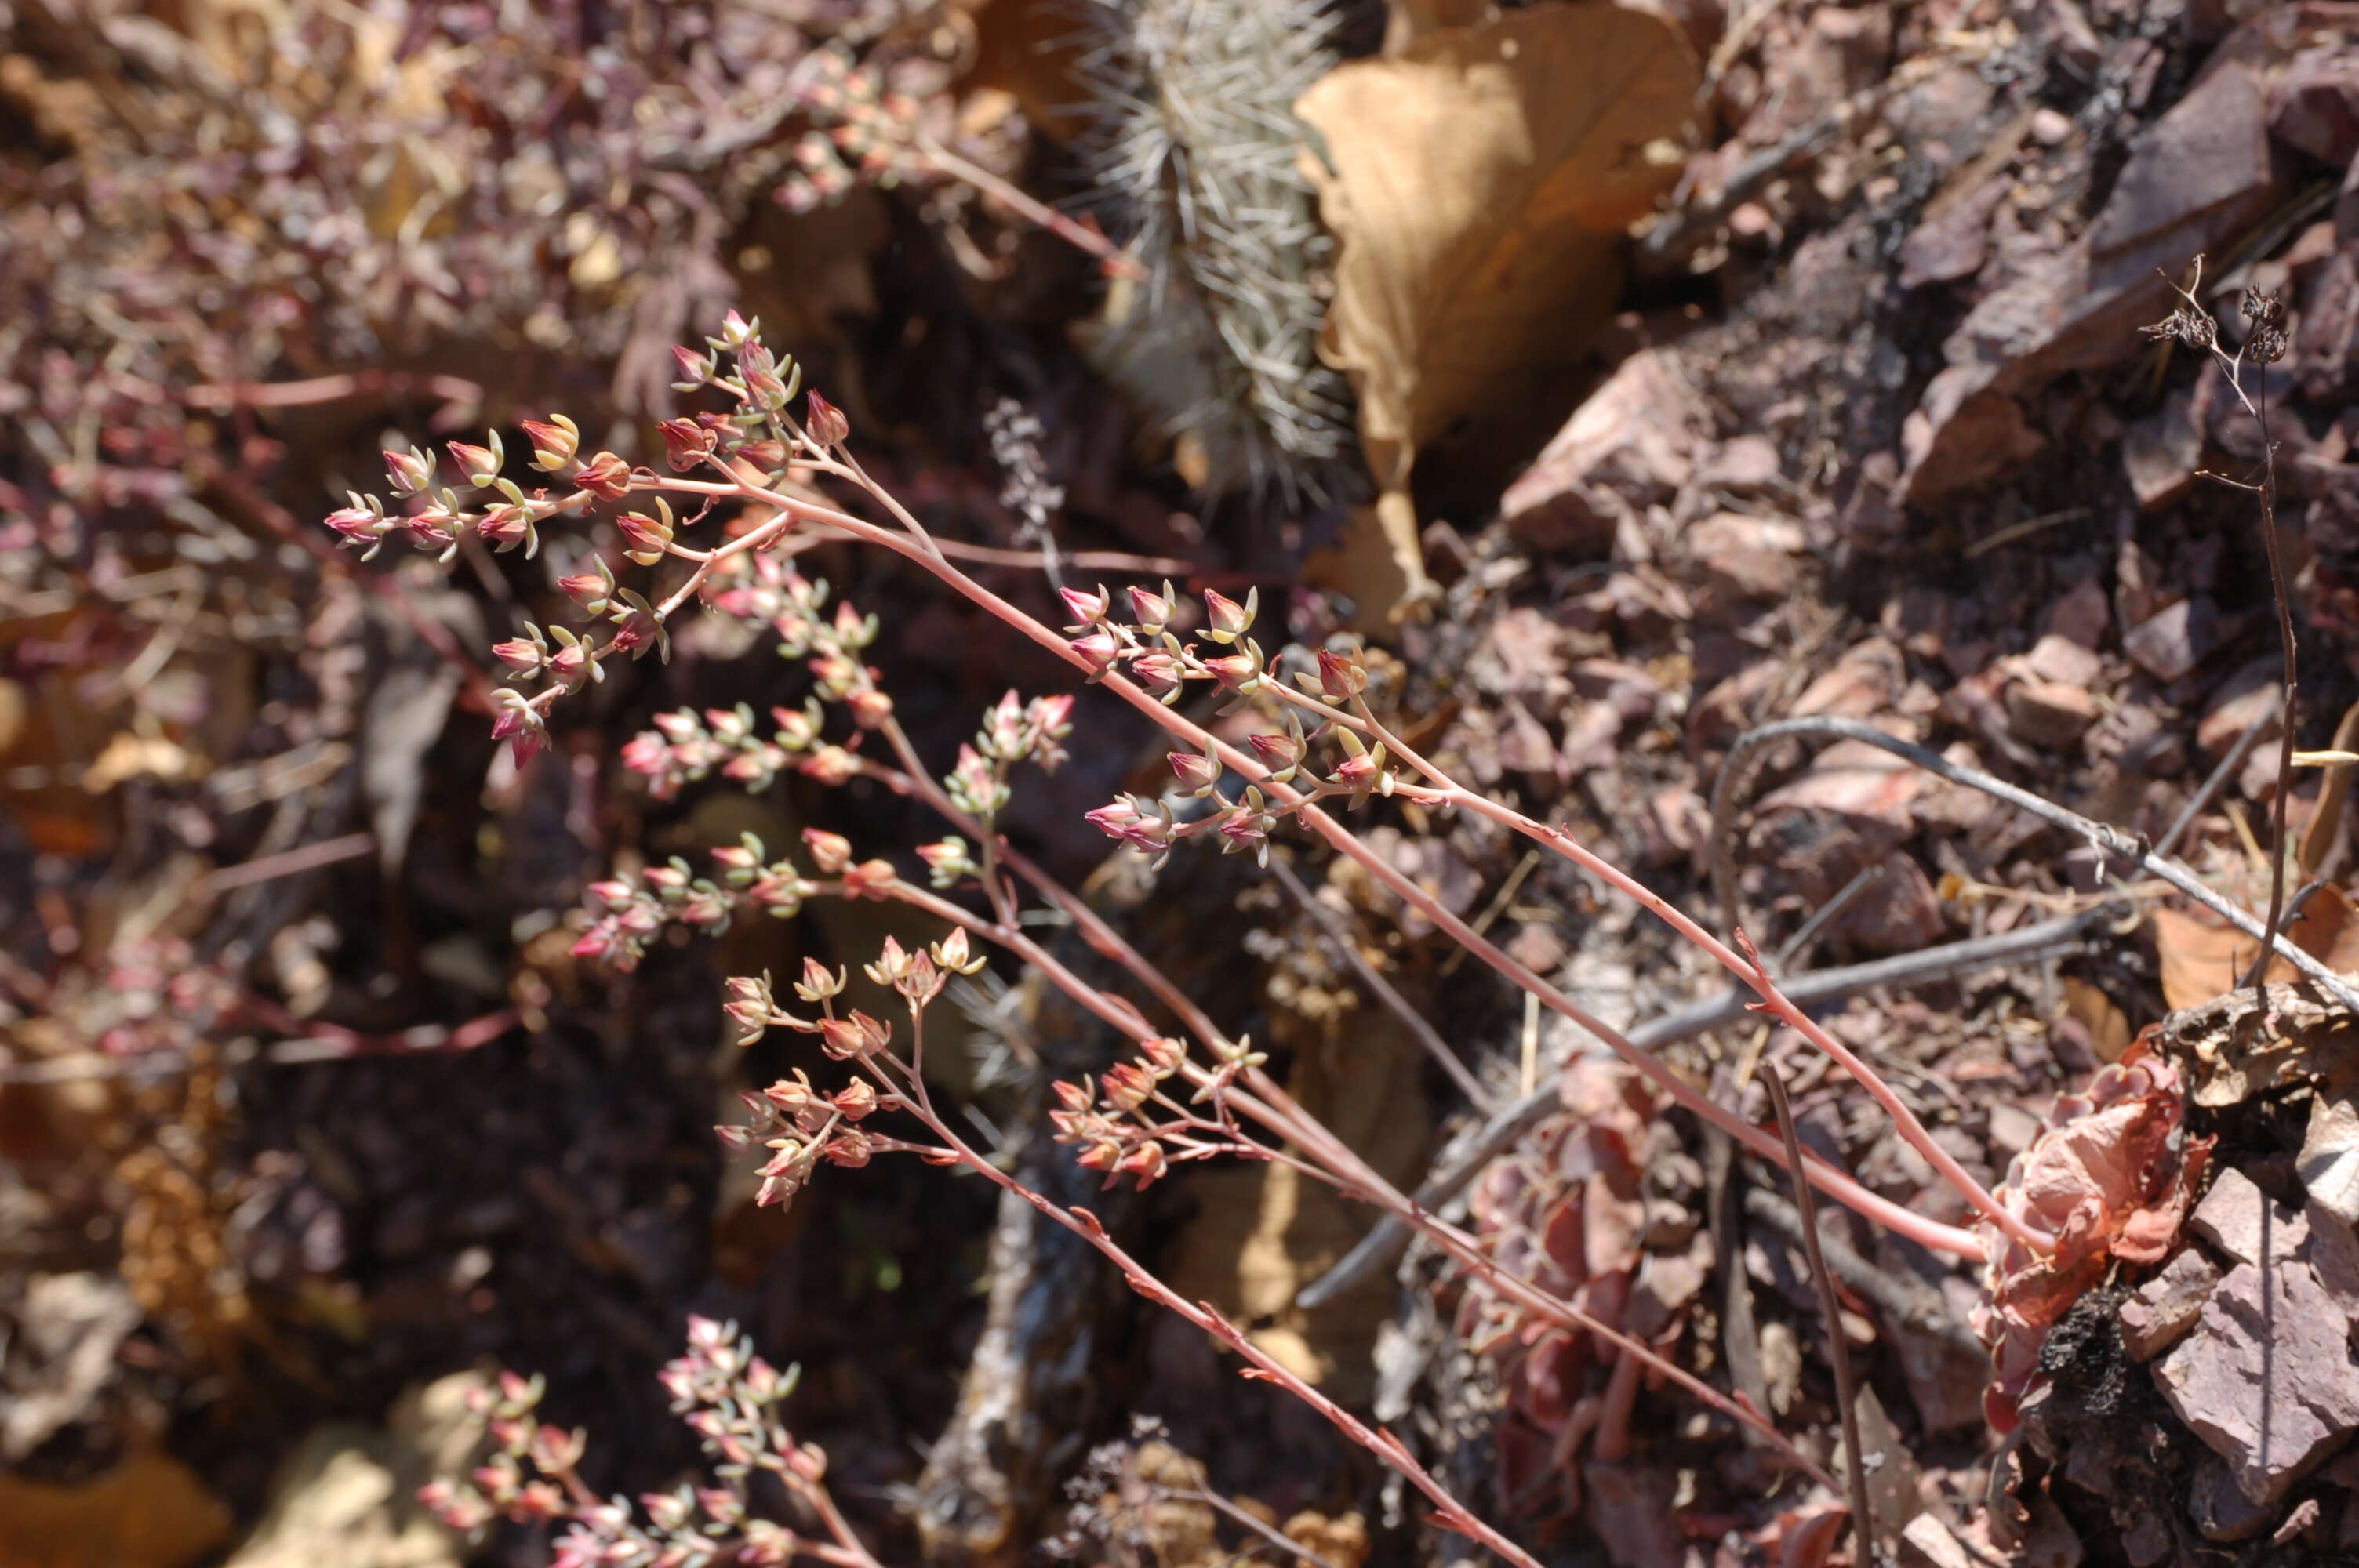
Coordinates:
(1189, 1091)
(729, 1397)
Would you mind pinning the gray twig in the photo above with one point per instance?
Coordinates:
(1863, 1519)
(2112, 842)
(1340, 941)
(1504, 1131)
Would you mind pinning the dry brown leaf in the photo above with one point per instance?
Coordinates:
(150, 1512)
(1478, 185)
(2202, 960)
(2109, 1030)
(1405, 21)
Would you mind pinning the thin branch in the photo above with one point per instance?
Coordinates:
(1382, 1245)
(2111, 840)
(1830, 1307)
(1340, 941)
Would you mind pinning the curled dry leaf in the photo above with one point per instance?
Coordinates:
(1478, 184)
(2111, 1176)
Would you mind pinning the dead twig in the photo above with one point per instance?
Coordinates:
(1863, 1521)
(1340, 940)
(1503, 1131)
(2112, 842)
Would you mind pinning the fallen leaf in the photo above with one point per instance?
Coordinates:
(2109, 1030)
(2202, 960)
(1477, 185)
(149, 1512)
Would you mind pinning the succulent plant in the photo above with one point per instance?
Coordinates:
(1196, 153)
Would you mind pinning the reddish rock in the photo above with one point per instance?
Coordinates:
(2057, 658)
(2238, 1218)
(2169, 645)
(1865, 682)
(1747, 558)
(2050, 713)
(1744, 462)
(2159, 1313)
(1950, 243)
(2250, 694)
(1854, 779)
(1633, 442)
(2161, 452)
(2315, 104)
(2083, 615)
(2265, 1379)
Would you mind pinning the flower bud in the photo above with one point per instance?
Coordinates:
(523, 656)
(735, 330)
(589, 590)
(1225, 619)
(1340, 676)
(605, 476)
(695, 369)
(1099, 651)
(554, 443)
(1146, 1161)
(1087, 609)
(1280, 751)
(855, 1100)
(950, 953)
(505, 527)
(817, 985)
(686, 443)
(410, 472)
(825, 422)
(1197, 774)
(1151, 612)
(479, 466)
(830, 852)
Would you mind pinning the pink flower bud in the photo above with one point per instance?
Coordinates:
(686, 443)
(477, 465)
(825, 421)
(409, 471)
(1196, 774)
(1237, 672)
(1146, 1161)
(1279, 751)
(554, 443)
(840, 1038)
(520, 654)
(695, 369)
(1164, 1056)
(1226, 619)
(1098, 649)
(505, 527)
(856, 1100)
(1341, 678)
(1087, 609)
(869, 879)
(1149, 611)
(830, 852)
(588, 590)
(870, 708)
(1158, 671)
(1126, 1087)
(358, 524)
(606, 476)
